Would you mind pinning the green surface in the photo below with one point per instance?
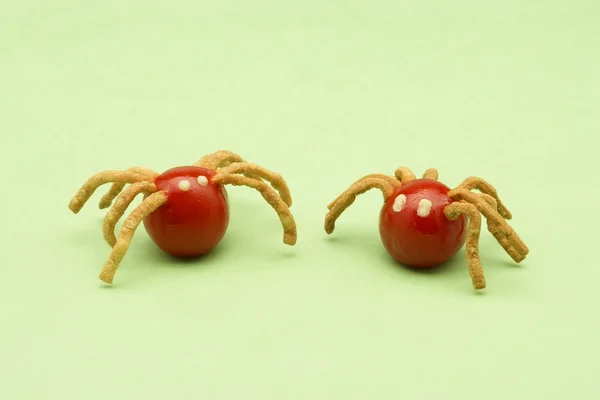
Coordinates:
(323, 93)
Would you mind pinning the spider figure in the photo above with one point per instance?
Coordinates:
(185, 209)
(422, 222)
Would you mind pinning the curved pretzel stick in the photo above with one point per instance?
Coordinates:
(286, 218)
(431, 173)
(101, 178)
(490, 200)
(117, 187)
(389, 179)
(404, 174)
(452, 212)
(493, 230)
(150, 204)
(220, 158)
(253, 170)
(503, 232)
(118, 209)
(349, 196)
(474, 182)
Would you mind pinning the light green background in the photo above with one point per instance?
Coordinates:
(322, 92)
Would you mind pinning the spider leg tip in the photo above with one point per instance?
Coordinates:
(106, 279)
(106, 276)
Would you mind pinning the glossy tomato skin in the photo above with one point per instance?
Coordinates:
(420, 241)
(195, 217)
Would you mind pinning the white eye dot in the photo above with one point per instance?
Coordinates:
(424, 208)
(399, 203)
(184, 185)
(202, 180)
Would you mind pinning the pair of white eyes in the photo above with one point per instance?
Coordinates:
(423, 210)
(185, 185)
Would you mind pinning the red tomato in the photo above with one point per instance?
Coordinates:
(414, 229)
(196, 215)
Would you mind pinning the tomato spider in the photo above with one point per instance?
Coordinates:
(185, 209)
(422, 222)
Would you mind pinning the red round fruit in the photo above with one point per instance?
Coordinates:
(414, 229)
(196, 215)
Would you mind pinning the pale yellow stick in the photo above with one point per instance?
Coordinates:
(117, 187)
(514, 252)
(404, 174)
(118, 209)
(490, 200)
(349, 196)
(286, 218)
(220, 158)
(503, 232)
(493, 229)
(498, 227)
(253, 170)
(452, 212)
(389, 179)
(431, 173)
(149, 205)
(494, 204)
(101, 178)
(474, 182)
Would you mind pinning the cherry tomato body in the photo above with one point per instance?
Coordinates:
(195, 217)
(414, 229)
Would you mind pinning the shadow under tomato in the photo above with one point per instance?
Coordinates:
(145, 262)
(451, 268)
(149, 251)
(453, 273)
(452, 276)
